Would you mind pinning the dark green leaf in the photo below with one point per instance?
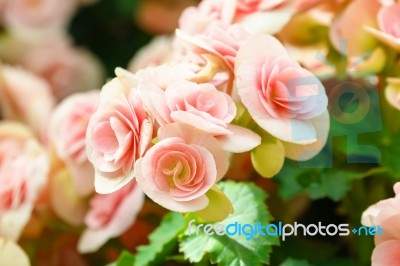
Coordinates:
(162, 241)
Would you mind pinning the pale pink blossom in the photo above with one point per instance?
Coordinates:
(67, 69)
(283, 98)
(256, 16)
(110, 216)
(153, 54)
(183, 165)
(200, 105)
(164, 75)
(388, 19)
(218, 39)
(25, 97)
(347, 31)
(67, 132)
(27, 15)
(386, 214)
(24, 166)
(119, 132)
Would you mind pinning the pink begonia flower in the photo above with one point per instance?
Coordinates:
(258, 16)
(66, 68)
(183, 165)
(24, 166)
(386, 214)
(67, 132)
(24, 16)
(110, 216)
(200, 105)
(167, 74)
(153, 54)
(218, 39)
(16, 87)
(347, 31)
(119, 132)
(283, 98)
(389, 24)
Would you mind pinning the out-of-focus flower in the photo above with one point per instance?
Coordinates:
(389, 24)
(161, 16)
(348, 29)
(386, 214)
(218, 39)
(24, 166)
(183, 165)
(66, 68)
(110, 215)
(16, 86)
(307, 57)
(392, 92)
(154, 54)
(283, 98)
(24, 16)
(266, 16)
(11, 254)
(65, 200)
(67, 132)
(119, 132)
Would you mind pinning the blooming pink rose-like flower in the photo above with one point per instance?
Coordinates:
(66, 68)
(218, 39)
(67, 132)
(386, 214)
(18, 85)
(119, 132)
(22, 15)
(178, 170)
(24, 166)
(200, 105)
(110, 216)
(286, 100)
(389, 24)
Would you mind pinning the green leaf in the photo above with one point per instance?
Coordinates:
(125, 259)
(390, 152)
(249, 208)
(293, 262)
(162, 241)
(317, 183)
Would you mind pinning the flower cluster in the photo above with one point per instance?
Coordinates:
(236, 79)
(171, 123)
